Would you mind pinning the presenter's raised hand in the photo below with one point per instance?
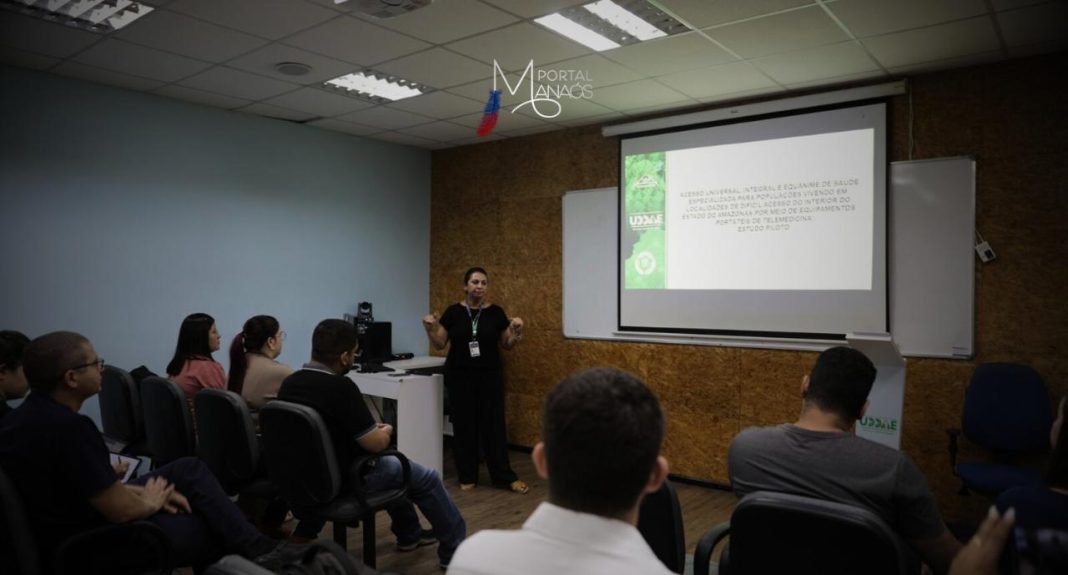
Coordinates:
(517, 327)
(429, 321)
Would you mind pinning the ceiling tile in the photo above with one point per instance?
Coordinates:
(189, 37)
(30, 34)
(277, 113)
(201, 97)
(934, 43)
(102, 76)
(528, 9)
(438, 105)
(637, 94)
(783, 32)
(319, 102)
(829, 61)
(702, 13)
(598, 70)
(1059, 45)
(444, 21)
(839, 80)
(515, 46)
(346, 127)
(231, 82)
(948, 63)
(437, 68)
(1010, 4)
(667, 55)
(385, 118)
(272, 19)
(719, 80)
(594, 119)
(873, 17)
(728, 97)
(1035, 24)
(23, 59)
(406, 139)
(262, 62)
(439, 131)
(140, 61)
(353, 40)
(505, 121)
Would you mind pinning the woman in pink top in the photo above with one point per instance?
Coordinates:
(192, 367)
(254, 372)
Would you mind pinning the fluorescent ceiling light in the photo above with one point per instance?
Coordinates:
(101, 16)
(376, 86)
(576, 32)
(631, 24)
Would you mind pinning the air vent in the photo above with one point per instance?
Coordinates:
(385, 9)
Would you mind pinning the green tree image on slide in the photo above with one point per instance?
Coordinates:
(644, 191)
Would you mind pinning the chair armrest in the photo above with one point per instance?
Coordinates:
(702, 556)
(362, 465)
(954, 439)
(147, 543)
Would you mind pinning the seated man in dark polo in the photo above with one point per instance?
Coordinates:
(322, 385)
(819, 456)
(58, 462)
(12, 380)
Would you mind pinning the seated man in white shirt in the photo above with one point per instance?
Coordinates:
(600, 450)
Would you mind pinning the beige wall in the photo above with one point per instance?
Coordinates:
(498, 205)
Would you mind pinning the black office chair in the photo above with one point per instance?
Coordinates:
(168, 423)
(781, 533)
(126, 548)
(228, 444)
(1006, 411)
(660, 523)
(120, 411)
(302, 463)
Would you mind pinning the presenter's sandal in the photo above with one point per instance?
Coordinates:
(467, 486)
(518, 486)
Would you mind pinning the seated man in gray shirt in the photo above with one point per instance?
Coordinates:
(819, 456)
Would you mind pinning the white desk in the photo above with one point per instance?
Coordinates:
(420, 409)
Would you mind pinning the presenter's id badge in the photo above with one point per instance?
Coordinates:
(473, 346)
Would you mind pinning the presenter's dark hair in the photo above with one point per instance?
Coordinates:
(194, 341)
(602, 430)
(48, 358)
(472, 271)
(331, 338)
(1057, 468)
(254, 335)
(12, 346)
(840, 382)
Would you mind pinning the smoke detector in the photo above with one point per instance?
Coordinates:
(384, 9)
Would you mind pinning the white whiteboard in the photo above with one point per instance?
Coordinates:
(931, 264)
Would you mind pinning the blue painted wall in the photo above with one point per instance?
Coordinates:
(123, 212)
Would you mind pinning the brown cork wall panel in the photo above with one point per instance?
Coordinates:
(497, 205)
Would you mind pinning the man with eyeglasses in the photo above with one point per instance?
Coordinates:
(60, 466)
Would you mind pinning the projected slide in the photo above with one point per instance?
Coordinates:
(782, 214)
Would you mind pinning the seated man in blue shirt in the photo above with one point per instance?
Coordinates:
(322, 385)
(61, 468)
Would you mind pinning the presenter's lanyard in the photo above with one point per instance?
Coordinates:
(474, 320)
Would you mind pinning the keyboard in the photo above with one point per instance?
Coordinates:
(374, 368)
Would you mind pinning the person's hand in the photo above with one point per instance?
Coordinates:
(386, 427)
(120, 468)
(156, 492)
(429, 321)
(177, 503)
(980, 556)
(517, 327)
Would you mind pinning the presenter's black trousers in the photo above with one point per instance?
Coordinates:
(476, 401)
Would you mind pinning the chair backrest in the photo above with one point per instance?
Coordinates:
(660, 523)
(168, 423)
(1007, 409)
(777, 533)
(300, 454)
(120, 406)
(226, 437)
(17, 549)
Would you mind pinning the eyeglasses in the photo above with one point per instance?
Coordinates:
(98, 362)
(281, 335)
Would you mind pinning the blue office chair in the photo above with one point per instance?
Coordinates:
(1007, 412)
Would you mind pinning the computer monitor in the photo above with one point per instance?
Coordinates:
(376, 341)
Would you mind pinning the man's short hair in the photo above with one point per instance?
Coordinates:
(602, 430)
(840, 382)
(48, 358)
(12, 346)
(331, 338)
